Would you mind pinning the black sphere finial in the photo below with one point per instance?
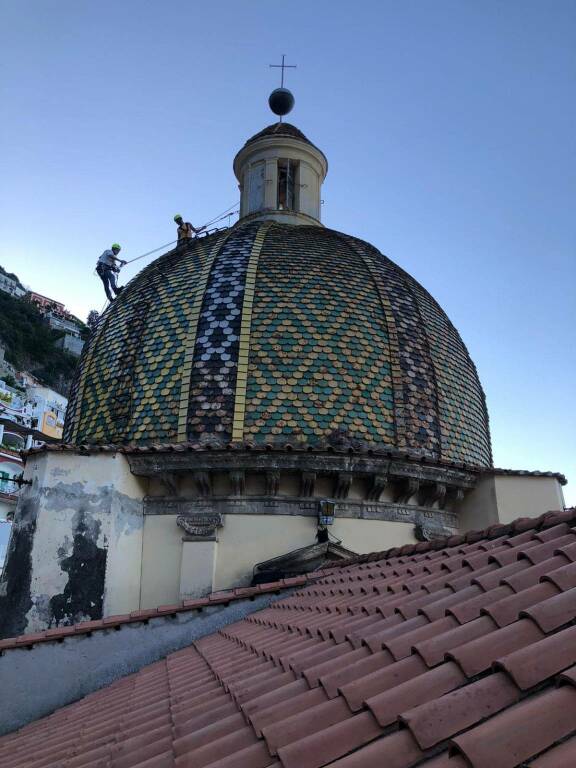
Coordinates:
(281, 101)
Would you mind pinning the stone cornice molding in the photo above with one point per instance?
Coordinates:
(156, 465)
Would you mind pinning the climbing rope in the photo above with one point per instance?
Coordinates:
(149, 253)
(204, 229)
(223, 215)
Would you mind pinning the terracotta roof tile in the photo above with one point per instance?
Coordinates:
(436, 657)
(562, 756)
(507, 740)
(435, 721)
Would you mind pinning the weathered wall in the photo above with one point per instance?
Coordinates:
(83, 546)
(161, 561)
(76, 549)
(372, 535)
(479, 508)
(522, 496)
(50, 675)
(246, 540)
(503, 498)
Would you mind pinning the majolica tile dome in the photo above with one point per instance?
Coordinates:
(280, 331)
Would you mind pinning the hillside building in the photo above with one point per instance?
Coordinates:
(10, 284)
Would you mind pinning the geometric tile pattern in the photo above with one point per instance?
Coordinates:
(215, 360)
(169, 286)
(462, 656)
(319, 365)
(271, 333)
(461, 403)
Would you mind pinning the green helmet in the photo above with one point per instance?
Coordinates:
(178, 216)
(117, 247)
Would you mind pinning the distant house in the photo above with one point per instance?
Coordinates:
(28, 419)
(48, 410)
(71, 343)
(45, 304)
(10, 284)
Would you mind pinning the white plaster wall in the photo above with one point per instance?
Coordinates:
(249, 539)
(363, 536)
(504, 498)
(479, 508)
(246, 540)
(161, 561)
(197, 569)
(521, 496)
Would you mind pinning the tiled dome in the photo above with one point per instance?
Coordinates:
(271, 333)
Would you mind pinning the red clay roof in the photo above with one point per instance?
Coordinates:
(462, 656)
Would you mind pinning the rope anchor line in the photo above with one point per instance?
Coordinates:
(225, 214)
(215, 220)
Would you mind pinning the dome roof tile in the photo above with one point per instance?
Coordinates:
(277, 334)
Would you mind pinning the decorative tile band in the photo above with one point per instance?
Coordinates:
(419, 412)
(244, 345)
(190, 342)
(216, 352)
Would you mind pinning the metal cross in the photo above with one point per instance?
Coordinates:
(283, 67)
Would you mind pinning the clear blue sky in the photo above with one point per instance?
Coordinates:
(449, 127)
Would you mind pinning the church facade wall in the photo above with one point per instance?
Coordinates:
(101, 533)
(246, 540)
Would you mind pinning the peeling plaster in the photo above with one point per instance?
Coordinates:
(57, 563)
(83, 595)
(15, 598)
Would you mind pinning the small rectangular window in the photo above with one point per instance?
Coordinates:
(287, 170)
(256, 189)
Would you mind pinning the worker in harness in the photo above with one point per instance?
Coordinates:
(185, 230)
(107, 268)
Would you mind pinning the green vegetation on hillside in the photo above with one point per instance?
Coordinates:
(31, 344)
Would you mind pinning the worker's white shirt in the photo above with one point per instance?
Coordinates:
(107, 259)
